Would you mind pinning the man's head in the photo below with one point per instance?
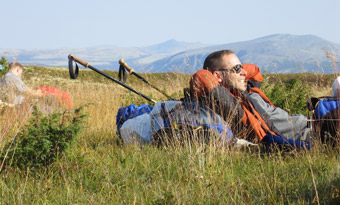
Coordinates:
(16, 68)
(227, 68)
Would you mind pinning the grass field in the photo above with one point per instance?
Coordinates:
(99, 169)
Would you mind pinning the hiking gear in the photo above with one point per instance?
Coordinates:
(253, 118)
(202, 82)
(122, 75)
(326, 117)
(137, 130)
(278, 120)
(168, 121)
(325, 105)
(131, 71)
(254, 77)
(129, 112)
(189, 121)
(270, 140)
(86, 65)
(63, 97)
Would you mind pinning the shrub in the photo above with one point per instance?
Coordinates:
(291, 96)
(4, 64)
(43, 139)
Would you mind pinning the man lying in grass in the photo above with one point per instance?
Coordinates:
(13, 89)
(14, 92)
(222, 85)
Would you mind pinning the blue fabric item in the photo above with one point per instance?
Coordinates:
(183, 115)
(129, 112)
(324, 107)
(224, 130)
(273, 139)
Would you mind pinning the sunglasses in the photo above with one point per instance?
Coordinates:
(236, 69)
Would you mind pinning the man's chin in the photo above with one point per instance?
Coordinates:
(243, 90)
(242, 87)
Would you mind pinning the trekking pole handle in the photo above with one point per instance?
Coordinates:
(122, 62)
(84, 63)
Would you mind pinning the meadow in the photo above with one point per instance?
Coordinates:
(99, 169)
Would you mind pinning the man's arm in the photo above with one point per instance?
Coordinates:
(33, 93)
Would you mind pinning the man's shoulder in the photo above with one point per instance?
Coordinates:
(10, 79)
(11, 75)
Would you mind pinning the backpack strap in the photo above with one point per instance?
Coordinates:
(264, 97)
(254, 75)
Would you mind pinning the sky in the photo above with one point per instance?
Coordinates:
(49, 24)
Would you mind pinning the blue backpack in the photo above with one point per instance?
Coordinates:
(129, 112)
(174, 116)
(325, 106)
(326, 117)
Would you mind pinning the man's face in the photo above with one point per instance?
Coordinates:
(19, 71)
(228, 77)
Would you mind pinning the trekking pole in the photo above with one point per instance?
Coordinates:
(132, 71)
(74, 75)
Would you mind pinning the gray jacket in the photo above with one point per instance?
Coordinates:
(12, 89)
(290, 126)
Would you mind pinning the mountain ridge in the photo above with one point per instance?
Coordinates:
(276, 53)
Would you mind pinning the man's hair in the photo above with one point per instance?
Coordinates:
(14, 65)
(214, 60)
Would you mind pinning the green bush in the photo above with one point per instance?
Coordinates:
(291, 96)
(4, 64)
(43, 139)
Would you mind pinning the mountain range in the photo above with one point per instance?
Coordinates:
(278, 53)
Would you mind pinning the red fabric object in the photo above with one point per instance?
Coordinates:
(255, 121)
(251, 117)
(202, 82)
(253, 72)
(63, 97)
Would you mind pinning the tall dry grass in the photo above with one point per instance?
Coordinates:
(98, 169)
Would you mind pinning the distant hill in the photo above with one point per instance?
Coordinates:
(172, 46)
(279, 53)
(102, 57)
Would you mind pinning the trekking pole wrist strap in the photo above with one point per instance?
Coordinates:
(121, 62)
